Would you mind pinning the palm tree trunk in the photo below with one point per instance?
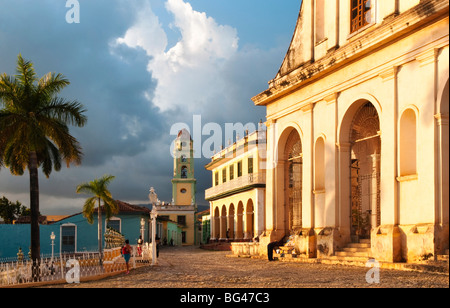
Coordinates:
(100, 232)
(34, 206)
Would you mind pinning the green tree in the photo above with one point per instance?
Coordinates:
(98, 188)
(34, 128)
(10, 211)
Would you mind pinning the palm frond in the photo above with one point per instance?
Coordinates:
(71, 113)
(50, 84)
(98, 189)
(89, 208)
(25, 71)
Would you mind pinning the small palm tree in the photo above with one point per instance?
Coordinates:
(34, 131)
(98, 188)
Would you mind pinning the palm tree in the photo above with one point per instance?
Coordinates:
(98, 188)
(34, 128)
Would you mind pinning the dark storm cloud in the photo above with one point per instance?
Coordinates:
(110, 85)
(127, 135)
(110, 81)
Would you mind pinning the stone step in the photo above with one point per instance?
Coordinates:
(348, 258)
(364, 241)
(358, 245)
(355, 249)
(352, 253)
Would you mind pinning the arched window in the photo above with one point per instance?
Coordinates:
(184, 172)
(319, 165)
(408, 143)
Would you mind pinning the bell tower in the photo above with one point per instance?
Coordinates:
(183, 182)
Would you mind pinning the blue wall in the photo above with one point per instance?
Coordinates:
(14, 236)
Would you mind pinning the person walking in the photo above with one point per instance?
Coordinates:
(126, 252)
(140, 242)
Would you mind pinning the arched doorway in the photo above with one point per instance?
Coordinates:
(223, 223)
(216, 233)
(293, 158)
(443, 165)
(230, 230)
(365, 149)
(239, 221)
(249, 220)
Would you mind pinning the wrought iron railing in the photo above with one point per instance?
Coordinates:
(69, 267)
(239, 182)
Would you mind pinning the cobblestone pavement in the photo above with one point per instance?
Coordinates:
(192, 267)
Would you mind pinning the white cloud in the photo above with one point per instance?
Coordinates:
(146, 33)
(189, 73)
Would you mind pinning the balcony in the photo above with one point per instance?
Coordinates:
(236, 185)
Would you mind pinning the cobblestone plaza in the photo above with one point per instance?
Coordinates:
(192, 268)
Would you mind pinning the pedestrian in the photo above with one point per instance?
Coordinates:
(158, 242)
(140, 242)
(126, 252)
(274, 245)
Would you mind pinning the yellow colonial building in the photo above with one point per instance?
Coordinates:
(357, 134)
(237, 195)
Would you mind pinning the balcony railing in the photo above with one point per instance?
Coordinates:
(235, 184)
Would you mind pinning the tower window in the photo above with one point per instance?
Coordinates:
(183, 158)
(360, 14)
(183, 190)
(184, 172)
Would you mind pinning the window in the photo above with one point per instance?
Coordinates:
(239, 168)
(224, 175)
(68, 238)
(231, 172)
(360, 14)
(114, 223)
(183, 158)
(319, 163)
(408, 143)
(250, 165)
(183, 190)
(216, 178)
(184, 172)
(181, 220)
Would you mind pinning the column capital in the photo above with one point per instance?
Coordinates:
(441, 118)
(388, 74)
(427, 57)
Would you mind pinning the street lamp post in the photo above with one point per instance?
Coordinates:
(153, 214)
(142, 227)
(52, 237)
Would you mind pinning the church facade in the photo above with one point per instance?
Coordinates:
(357, 131)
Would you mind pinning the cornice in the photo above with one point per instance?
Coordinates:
(387, 31)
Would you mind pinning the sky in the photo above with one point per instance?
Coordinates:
(143, 69)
